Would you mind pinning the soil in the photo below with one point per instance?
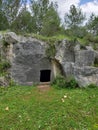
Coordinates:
(44, 87)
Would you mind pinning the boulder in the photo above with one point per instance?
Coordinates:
(3, 82)
(86, 75)
(11, 38)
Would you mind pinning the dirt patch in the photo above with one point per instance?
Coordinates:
(44, 87)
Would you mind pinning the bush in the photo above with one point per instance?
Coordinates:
(59, 81)
(91, 86)
(72, 83)
(96, 62)
(4, 66)
(62, 82)
(50, 51)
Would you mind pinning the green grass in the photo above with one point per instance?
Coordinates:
(51, 39)
(28, 108)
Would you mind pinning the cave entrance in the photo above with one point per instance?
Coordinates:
(45, 75)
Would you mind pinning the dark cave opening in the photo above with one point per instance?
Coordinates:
(45, 75)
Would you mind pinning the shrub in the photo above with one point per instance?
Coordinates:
(96, 62)
(62, 82)
(59, 81)
(72, 83)
(50, 51)
(4, 65)
(12, 83)
(91, 86)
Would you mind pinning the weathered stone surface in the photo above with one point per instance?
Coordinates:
(11, 37)
(78, 62)
(96, 54)
(65, 52)
(28, 57)
(68, 68)
(84, 58)
(86, 75)
(89, 48)
(3, 82)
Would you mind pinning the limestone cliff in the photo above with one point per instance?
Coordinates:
(30, 63)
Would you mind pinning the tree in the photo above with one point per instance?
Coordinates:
(3, 19)
(23, 22)
(3, 22)
(92, 24)
(74, 22)
(74, 18)
(39, 9)
(11, 9)
(51, 22)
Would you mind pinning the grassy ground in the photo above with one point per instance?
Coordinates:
(28, 108)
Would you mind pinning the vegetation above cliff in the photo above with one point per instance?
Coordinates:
(44, 22)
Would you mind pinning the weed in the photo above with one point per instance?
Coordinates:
(62, 82)
(91, 86)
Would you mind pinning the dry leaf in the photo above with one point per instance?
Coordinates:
(7, 108)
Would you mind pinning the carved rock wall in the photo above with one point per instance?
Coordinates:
(28, 57)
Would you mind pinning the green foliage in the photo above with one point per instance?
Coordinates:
(73, 21)
(44, 19)
(10, 8)
(4, 65)
(24, 22)
(92, 24)
(91, 38)
(74, 18)
(50, 40)
(96, 62)
(92, 86)
(39, 9)
(5, 43)
(62, 82)
(51, 22)
(3, 21)
(78, 32)
(50, 51)
(72, 83)
(12, 83)
(59, 82)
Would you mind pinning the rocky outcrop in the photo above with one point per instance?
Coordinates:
(78, 62)
(30, 64)
(27, 57)
(86, 75)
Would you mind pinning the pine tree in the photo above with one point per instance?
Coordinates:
(51, 22)
(74, 18)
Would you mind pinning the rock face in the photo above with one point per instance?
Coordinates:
(30, 64)
(86, 75)
(78, 63)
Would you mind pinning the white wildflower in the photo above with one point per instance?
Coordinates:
(65, 96)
